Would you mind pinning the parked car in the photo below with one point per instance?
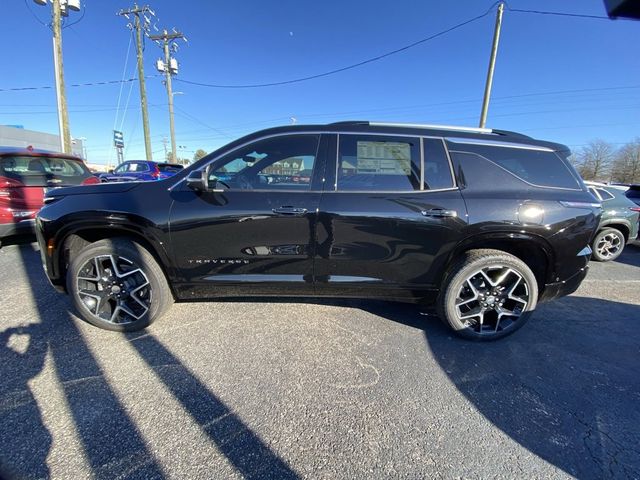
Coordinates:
(140, 171)
(25, 175)
(633, 194)
(619, 222)
(480, 224)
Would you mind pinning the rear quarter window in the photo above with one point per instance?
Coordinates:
(537, 167)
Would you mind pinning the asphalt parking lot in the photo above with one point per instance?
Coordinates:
(319, 389)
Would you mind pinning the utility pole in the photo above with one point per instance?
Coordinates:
(170, 67)
(60, 8)
(492, 66)
(63, 115)
(139, 26)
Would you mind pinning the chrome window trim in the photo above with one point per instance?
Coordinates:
(497, 143)
(422, 164)
(404, 192)
(516, 176)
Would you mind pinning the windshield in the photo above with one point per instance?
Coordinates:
(42, 171)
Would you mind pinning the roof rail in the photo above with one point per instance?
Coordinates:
(418, 125)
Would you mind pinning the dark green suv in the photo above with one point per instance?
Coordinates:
(618, 224)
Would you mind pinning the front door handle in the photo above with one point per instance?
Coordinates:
(439, 213)
(290, 211)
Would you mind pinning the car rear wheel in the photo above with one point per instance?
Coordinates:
(488, 295)
(116, 284)
(608, 245)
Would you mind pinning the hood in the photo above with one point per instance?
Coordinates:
(89, 189)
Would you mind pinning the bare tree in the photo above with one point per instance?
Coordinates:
(626, 165)
(199, 154)
(594, 161)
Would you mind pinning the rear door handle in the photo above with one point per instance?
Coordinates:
(290, 211)
(439, 213)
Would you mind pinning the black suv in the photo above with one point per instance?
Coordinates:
(482, 224)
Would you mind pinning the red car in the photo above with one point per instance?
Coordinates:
(25, 175)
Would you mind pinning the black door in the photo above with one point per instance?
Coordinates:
(391, 219)
(256, 237)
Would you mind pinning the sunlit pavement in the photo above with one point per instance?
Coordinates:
(319, 390)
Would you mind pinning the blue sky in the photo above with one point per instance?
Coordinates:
(441, 81)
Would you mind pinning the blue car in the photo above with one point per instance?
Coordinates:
(140, 171)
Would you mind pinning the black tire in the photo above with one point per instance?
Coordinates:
(471, 273)
(136, 279)
(608, 244)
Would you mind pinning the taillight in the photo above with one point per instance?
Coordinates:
(7, 185)
(635, 209)
(90, 180)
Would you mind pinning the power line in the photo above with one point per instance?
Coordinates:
(26, 2)
(348, 67)
(86, 84)
(560, 14)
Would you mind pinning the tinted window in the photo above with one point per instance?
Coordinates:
(533, 166)
(138, 167)
(170, 168)
(633, 192)
(604, 195)
(37, 170)
(377, 163)
(280, 163)
(593, 192)
(437, 173)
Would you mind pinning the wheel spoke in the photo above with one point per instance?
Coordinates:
(496, 304)
(115, 301)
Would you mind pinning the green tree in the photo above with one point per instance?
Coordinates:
(199, 154)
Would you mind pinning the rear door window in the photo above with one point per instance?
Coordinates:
(43, 171)
(378, 163)
(537, 167)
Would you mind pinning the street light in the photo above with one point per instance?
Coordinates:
(60, 8)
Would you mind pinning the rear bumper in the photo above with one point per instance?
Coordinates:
(566, 287)
(17, 228)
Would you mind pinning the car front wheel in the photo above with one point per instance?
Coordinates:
(116, 284)
(487, 295)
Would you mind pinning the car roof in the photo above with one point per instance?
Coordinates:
(446, 131)
(34, 152)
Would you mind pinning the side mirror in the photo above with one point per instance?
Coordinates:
(111, 170)
(198, 180)
(201, 181)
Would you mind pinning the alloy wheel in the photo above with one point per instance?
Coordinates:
(609, 245)
(492, 299)
(114, 289)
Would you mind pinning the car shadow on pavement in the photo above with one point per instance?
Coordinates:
(630, 255)
(565, 386)
(112, 443)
